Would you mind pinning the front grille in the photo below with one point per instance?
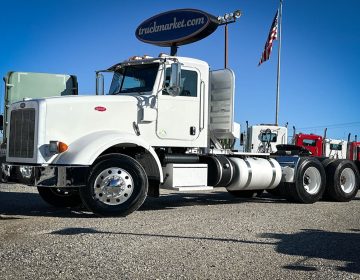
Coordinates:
(22, 132)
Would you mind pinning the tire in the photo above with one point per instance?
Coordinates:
(117, 186)
(326, 162)
(246, 193)
(60, 197)
(310, 181)
(343, 180)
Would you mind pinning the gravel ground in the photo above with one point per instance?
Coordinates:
(207, 235)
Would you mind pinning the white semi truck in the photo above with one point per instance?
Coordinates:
(167, 122)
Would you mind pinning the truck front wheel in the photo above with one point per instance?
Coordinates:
(117, 186)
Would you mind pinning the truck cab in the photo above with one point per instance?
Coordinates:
(263, 138)
(335, 149)
(155, 107)
(311, 142)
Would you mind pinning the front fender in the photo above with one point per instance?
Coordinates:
(87, 149)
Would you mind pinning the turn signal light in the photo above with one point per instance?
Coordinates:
(62, 147)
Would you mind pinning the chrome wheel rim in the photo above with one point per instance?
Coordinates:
(312, 180)
(347, 180)
(113, 186)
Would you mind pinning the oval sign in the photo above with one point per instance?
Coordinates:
(100, 108)
(177, 27)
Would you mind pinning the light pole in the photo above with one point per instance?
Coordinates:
(225, 20)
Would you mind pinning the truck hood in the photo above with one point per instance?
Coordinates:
(66, 119)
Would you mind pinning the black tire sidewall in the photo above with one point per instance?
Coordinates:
(334, 190)
(136, 198)
(326, 162)
(298, 191)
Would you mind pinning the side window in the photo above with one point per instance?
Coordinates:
(189, 81)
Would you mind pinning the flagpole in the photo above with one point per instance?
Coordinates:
(278, 67)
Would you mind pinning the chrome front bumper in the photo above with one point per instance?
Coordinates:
(47, 176)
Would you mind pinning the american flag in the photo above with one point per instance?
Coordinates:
(273, 35)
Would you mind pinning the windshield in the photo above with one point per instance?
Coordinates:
(134, 78)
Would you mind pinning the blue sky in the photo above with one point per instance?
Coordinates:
(320, 82)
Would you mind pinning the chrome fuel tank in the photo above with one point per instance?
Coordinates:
(255, 174)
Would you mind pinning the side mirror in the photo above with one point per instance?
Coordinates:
(175, 78)
(242, 136)
(1, 122)
(99, 84)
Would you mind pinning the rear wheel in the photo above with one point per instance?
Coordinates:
(60, 197)
(326, 162)
(117, 186)
(309, 184)
(342, 178)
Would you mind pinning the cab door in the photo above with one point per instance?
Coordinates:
(179, 116)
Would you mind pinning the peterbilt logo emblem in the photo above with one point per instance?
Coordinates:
(100, 108)
(22, 105)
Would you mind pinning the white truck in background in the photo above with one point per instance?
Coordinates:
(167, 122)
(264, 138)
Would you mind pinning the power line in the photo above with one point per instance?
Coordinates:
(339, 125)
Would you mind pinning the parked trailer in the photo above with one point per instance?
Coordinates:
(167, 122)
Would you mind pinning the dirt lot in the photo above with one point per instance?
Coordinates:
(207, 235)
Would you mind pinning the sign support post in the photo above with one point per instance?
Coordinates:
(173, 50)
